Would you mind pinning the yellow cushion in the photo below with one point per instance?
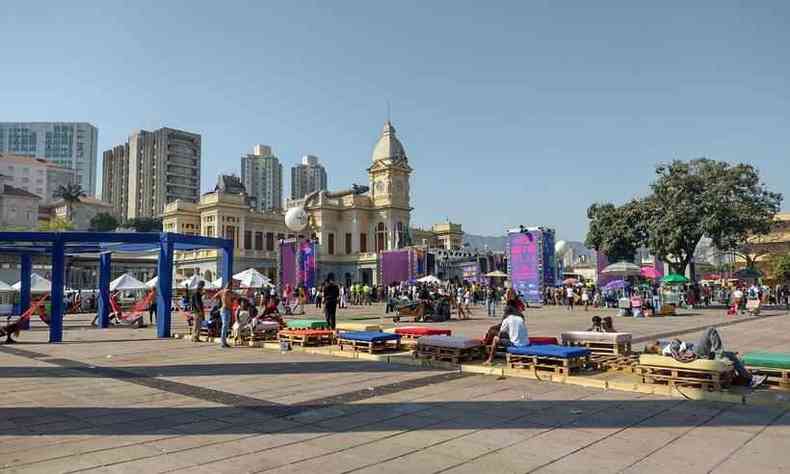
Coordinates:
(358, 327)
(709, 365)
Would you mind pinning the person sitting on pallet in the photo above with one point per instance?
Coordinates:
(608, 325)
(512, 331)
(597, 324)
(709, 346)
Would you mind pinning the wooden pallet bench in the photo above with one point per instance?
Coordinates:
(307, 337)
(560, 360)
(453, 349)
(776, 365)
(618, 343)
(777, 378)
(368, 341)
(614, 362)
(705, 374)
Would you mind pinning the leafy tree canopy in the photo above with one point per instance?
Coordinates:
(103, 222)
(144, 224)
(616, 231)
(57, 224)
(70, 193)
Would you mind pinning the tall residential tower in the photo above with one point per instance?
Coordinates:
(151, 170)
(262, 175)
(71, 145)
(307, 177)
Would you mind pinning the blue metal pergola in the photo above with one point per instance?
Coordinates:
(60, 244)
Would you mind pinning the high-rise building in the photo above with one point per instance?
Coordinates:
(307, 177)
(115, 179)
(262, 176)
(35, 175)
(151, 170)
(71, 145)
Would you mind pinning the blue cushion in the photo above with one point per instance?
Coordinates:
(550, 350)
(370, 336)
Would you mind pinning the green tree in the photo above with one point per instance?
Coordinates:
(144, 224)
(781, 268)
(616, 231)
(103, 222)
(71, 194)
(703, 197)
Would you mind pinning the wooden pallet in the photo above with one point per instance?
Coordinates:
(304, 338)
(270, 335)
(678, 376)
(597, 347)
(455, 355)
(614, 362)
(777, 378)
(370, 347)
(557, 365)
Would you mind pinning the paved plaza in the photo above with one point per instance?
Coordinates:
(120, 400)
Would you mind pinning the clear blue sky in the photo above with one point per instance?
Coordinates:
(518, 112)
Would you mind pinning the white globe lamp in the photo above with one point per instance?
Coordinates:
(296, 219)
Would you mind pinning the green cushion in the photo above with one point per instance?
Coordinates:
(773, 360)
(306, 324)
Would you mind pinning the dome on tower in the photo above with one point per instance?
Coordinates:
(388, 147)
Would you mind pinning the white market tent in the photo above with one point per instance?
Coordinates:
(5, 286)
(192, 283)
(496, 274)
(430, 279)
(252, 278)
(623, 269)
(127, 282)
(152, 282)
(38, 284)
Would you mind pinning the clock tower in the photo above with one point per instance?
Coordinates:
(389, 190)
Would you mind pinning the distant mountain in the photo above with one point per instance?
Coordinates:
(481, 241)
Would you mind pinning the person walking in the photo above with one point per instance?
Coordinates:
(225, 296)
(492, 297)
(331, 294)
(570, 295)
(197, 311)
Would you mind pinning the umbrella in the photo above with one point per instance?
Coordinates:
(569, 281)
(252, 278)
(674, 278)
(429, 279)
(622, 269)
(38, 284)
(617, 285)
(748, 273)
(127, 282)
(651, 273)
(496, 274)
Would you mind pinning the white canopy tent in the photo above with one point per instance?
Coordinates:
(623, 269)
(127, 282)
(430, 279)
(252, 278)
(38, 284)
(5, 286)
(152, 282)
(192, 283)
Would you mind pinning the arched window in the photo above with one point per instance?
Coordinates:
(399, 235)
(381, 237)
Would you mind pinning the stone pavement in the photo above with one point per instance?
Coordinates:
(120, 400)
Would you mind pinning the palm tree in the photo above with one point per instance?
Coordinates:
(70, 193)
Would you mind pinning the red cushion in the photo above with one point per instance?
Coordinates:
(542, 340)
(421, 331)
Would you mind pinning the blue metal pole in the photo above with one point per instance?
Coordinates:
(26, 268)
(227, 264)
(58, 274)
(164, 286)
(105, 269)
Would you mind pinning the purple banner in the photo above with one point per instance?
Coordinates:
(395, 266)
(288, 264)
(471, 272)
(523, 265)
(307, 265)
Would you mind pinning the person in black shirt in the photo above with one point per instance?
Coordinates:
(197, 309)
(331, 294)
